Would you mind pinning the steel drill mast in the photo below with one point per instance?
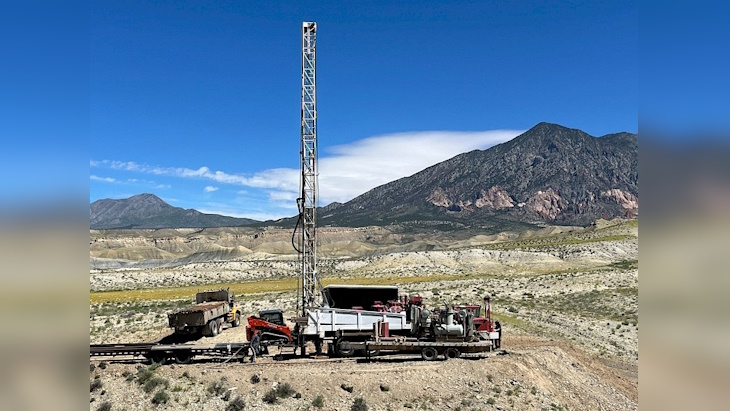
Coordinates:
(310, 284)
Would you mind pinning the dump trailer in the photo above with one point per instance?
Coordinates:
(207, 316)
(353, 311)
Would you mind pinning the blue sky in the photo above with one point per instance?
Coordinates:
(200, 104)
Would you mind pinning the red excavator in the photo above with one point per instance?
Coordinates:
(272, 327)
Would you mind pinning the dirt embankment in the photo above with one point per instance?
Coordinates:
(535, 374)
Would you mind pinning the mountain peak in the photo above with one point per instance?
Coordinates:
(554, 131)
(545, 126)
(550, 173)
(147, 197)
(149, 211)
(146, 200)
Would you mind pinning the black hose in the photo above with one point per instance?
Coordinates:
(299, 221)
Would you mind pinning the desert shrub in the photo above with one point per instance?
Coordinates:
(491, 401)
(298, 395)
(255, 379)
(217, 387)
(359, 405)
(92, 367)
(161, 397)
(102, 365)
(384, 388)
(512, 309)
(236, 405)
(186, 375)
(533, 390)
(95, 385)
(348, 388)
(152, 383)
(145, 373)
(104, 406)
(284, 390)
(318, 401)
(270, 397)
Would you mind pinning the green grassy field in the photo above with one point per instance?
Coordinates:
(254, 287)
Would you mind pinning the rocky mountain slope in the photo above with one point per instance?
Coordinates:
(150, 211)
(548, 174)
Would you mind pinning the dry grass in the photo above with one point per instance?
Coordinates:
(555, 241)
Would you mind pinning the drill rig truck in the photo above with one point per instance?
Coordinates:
(352, 318)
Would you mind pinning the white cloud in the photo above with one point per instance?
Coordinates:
(355, 168)
(103, 179)
(283, 196)
(275, 178)
(345, 171)
(132, 181)
(210, 189)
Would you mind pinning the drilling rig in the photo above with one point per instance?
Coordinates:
(348, 317)
(310, 288)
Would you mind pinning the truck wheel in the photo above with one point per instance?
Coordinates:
(213, 328)
(183, 358)
(237, 320)
(452, 353)
(343, 348)
(157, 359)
(429, 354)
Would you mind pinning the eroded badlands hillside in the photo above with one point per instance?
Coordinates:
(567, 298)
